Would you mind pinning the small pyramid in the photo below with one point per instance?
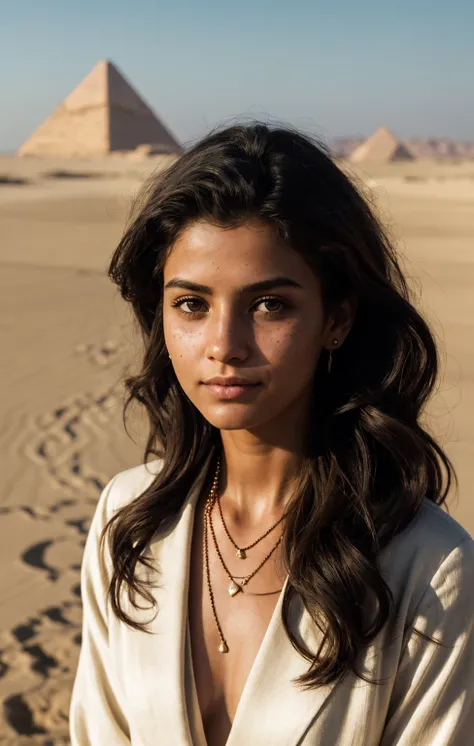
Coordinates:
(382, 146)
(101, 115)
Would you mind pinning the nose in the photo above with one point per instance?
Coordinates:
(228, 337)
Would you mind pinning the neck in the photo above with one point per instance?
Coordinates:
(258, 476)
(261, 467)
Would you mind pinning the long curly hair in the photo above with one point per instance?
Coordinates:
(368, 463)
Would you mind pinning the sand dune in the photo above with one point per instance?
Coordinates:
(67, 338)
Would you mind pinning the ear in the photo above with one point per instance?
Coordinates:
(339, 324)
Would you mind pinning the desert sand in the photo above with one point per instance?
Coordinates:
(67, 339)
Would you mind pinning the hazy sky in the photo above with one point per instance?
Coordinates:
(332, 67)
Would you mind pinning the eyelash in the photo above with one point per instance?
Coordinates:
(190, 314)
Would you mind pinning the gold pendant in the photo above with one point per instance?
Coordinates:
(242, 554)
(223, 648)
(234, 588)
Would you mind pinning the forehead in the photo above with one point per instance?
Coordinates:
(205, 252)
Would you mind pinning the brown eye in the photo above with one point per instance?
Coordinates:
(192, 306)
(271, 306)
(189, 306)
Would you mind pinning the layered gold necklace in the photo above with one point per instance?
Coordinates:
(234, 588)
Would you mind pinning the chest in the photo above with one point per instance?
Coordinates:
(244, 619)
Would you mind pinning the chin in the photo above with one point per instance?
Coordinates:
(227, 420)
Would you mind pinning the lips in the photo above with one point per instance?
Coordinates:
(230, 388)
(230, 381)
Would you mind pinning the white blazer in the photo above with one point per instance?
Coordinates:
(136, 688)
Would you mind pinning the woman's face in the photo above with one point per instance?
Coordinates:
(243, 324)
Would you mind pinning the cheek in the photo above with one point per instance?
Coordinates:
(181, 340)
(283, 345)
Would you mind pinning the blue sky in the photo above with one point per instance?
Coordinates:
(332, 67)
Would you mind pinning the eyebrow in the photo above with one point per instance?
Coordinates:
(256, 287)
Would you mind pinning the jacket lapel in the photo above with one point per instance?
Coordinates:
(271, 709)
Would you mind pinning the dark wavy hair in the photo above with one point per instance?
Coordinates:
(368, 461)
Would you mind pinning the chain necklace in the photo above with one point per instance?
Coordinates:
(233, 588)
(241, 551)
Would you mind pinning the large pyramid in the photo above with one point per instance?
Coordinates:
(382, 146)
(101, 115)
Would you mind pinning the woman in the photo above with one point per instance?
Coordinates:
(303, 584)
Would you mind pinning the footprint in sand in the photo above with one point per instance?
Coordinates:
(48, 647)
(57, 439)
(104, 354)
(38, 658)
